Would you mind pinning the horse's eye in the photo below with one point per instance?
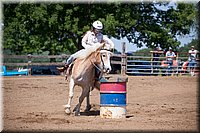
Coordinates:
(103, 55)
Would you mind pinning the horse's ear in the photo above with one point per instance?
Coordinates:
(104, 43)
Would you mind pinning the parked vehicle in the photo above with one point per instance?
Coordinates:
(44, 70)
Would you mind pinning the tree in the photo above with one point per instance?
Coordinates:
(58, 28)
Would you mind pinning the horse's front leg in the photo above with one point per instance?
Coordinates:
(85, 92)
(71, 94)
(88, 106)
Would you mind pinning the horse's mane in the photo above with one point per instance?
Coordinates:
(90, 50)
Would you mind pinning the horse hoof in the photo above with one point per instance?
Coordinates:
(77, 113)
(67, 111)
(88, 108)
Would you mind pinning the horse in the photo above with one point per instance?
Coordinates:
(83, 75)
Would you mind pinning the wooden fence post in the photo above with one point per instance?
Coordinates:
(123, 64)
(29, 63)
(177, 64)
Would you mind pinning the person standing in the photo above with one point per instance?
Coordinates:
(170, 56)
(155, 59)
(192, 63)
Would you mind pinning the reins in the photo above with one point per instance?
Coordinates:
(101, 61)
(95, 65)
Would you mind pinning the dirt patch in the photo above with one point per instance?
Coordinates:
(34, 103)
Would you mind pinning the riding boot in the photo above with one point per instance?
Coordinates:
(62, 69)
(67, 63)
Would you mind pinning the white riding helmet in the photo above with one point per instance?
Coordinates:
(97, 25)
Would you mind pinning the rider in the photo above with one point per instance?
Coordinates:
(91, 38)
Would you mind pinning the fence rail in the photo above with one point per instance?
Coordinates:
(29, 60)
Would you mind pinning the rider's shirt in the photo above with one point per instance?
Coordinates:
(91, 39)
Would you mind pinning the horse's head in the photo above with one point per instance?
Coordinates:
(100, 57)
(105, 60)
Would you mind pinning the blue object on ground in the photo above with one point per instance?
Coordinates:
(4, 72)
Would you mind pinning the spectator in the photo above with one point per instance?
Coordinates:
(192, 60)
(156, 54)
(170, 56)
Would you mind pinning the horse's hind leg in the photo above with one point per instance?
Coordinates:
(71, 94)
(85, 92)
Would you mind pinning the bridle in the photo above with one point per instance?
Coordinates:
(96, 66)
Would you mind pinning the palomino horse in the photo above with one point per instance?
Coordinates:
(83, 74)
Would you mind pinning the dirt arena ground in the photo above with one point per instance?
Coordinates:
(34, 103)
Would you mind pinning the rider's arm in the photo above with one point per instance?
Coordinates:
(109, 42)
(85, 40)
